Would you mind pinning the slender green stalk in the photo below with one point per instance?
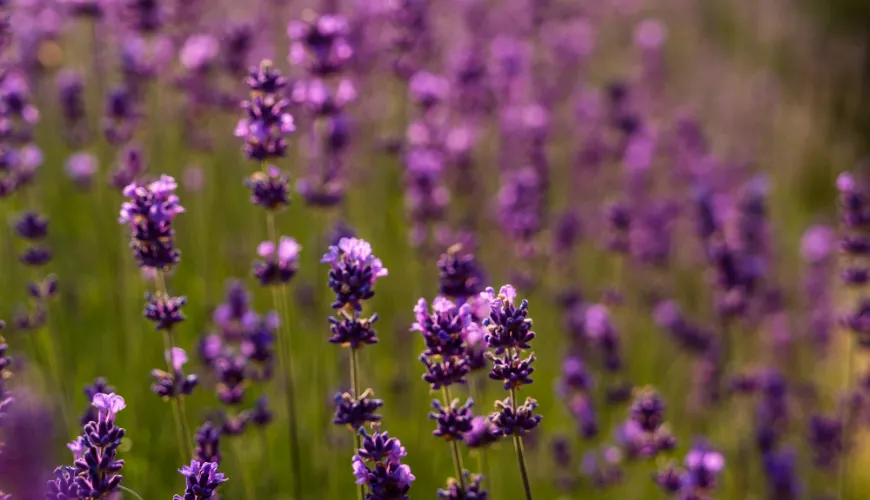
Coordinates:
(518, 448)
(454, 445)
(482, 462)
(354, 390)
(238, 452)
(844, 428)
(128, 490)
(285, 362)
(178, 412)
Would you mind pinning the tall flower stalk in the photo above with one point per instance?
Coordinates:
(508, 332)
(352, 276)
(150, 211)
(263, 131)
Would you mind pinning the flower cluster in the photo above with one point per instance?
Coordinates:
(575, 387)
(378, 465)
(268, 120)
(202, 480)
(269, 189)
(321, 44)
(175, 384)
(459, 275)
(278, 265)
(645, 435)
(699, 478)
(355, 413)
(208, 443)
(454, 421)
(444, 332)
(97, 468)
(150, 211)
(354, 271)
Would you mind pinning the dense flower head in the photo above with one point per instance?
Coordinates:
(202, 480)
(269, 189)
(459, 275)
(473, 488)
(353, 332)
(175, 383)
(64, 485)
(575, 376)
(208, 443)
(163, 311)
(97, 469)
(267, 123)
(259, 339)
(508, 327)
(443, 372)
(481, 433)
(512, 369)
(378, 466)
(453, 421)
(703, 466)
(648, 409)
(32, 226)
(443, 329)
(354, 270)
(150, 211)
(355, 413)
(320, 44)
(515, 422)
(231, 376)
(278, 265)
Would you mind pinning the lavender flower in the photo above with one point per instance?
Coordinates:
(208, 443)
(171, 385)
(459, 276)
(278, 265)
(268, 120)
(473, 489)
(321, 45)
(150, 212)
(202, 480)
(354, 272)
(508, 327)
(269, 189)
(97, 470)
(515, 422)
(99, 385)
(120, 116)
(377, 465)
(355, 413)
(63, 486)
(81, 167)
(453, 421)
(165, 312)
(353, 332)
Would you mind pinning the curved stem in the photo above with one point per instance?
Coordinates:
(454, 445)
(354, 391)
(518, 448)
(128, 490)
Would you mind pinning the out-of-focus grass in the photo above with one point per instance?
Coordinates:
(749, 69)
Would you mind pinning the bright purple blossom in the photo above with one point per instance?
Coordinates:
(354, 270)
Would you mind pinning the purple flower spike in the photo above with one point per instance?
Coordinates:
(459, 276)
(518, 422)
(353, 332)
(97, 469)
(508, 327)
(63, 486)
(278, 265)
(170, 385)
(268, 119)
(202, 479)
(453, 421)
(377, 465)
(355, 413)
(269, 189)
(353, 273)
(208, 443)
(150, 211)
(165, 312)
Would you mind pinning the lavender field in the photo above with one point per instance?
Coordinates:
(455, 249)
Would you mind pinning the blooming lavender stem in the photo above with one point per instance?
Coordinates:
(178, 412)
(354, 391)
(518, 449)
(454, 445)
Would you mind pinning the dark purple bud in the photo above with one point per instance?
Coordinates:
(353, 332)
(355, 413)
(453, 421)
(208, 443)
(508, 422)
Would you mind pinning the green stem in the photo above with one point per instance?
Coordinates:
(128, 490)
(240, 462)
(178, 412)
(454, 445)
(354, 391)
(482, 462)
(518, 448)
(844, 428)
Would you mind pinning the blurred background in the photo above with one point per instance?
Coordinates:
(577, 149)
